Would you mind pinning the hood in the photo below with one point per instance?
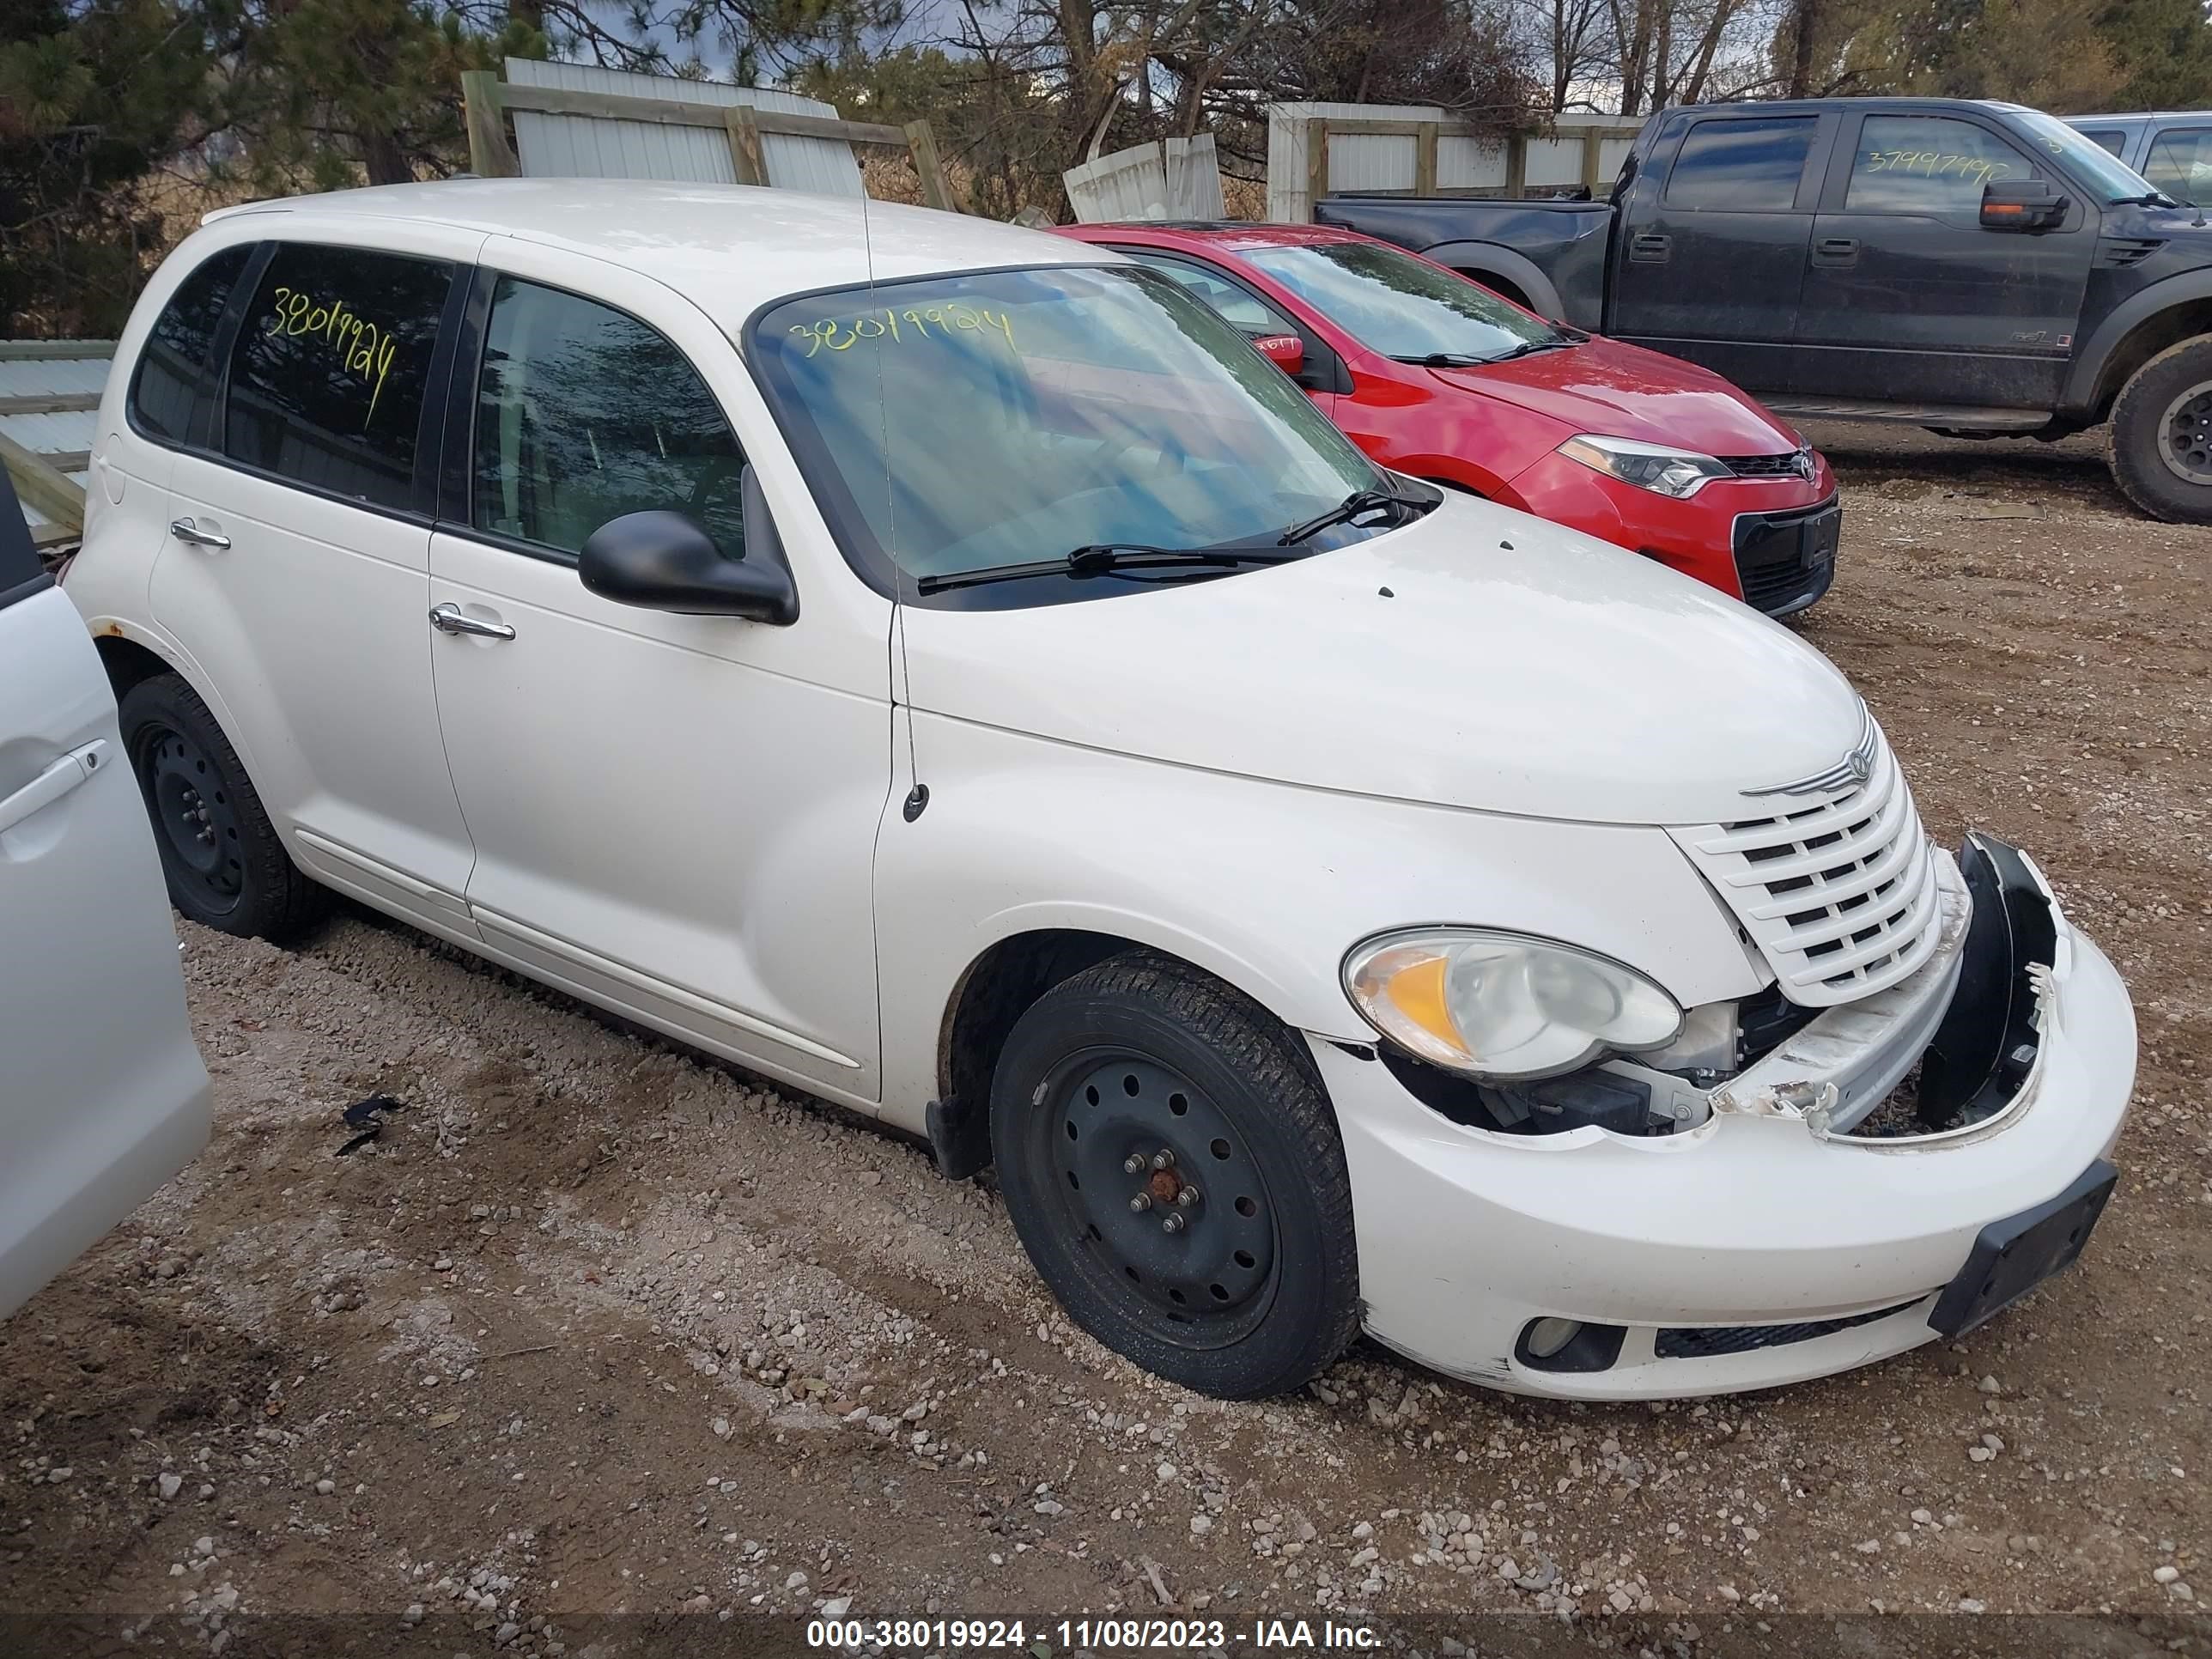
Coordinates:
(1559, 677)
(1618, 391)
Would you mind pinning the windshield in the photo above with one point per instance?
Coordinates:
(962, 424)
(1397, 305)
(2105, 171)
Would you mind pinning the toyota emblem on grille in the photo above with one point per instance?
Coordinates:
(1801, 465)
(1853, 772)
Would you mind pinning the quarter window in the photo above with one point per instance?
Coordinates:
(584, 413)
(172, 388)
(1750, 166)
(2110, 139)
(1928, 164)
(2181, 164)
(328, 376)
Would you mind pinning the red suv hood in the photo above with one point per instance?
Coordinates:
(1618, 391)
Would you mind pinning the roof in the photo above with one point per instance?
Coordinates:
(729, 248)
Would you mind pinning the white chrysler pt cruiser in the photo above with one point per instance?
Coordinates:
(945, 668)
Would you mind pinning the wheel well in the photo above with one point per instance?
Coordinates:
(2151, 337)
(997, 990)
(127, 662)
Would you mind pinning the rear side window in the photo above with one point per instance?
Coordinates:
(328, 376)
(584, 413)
(1928, 164)
(2111, 138)
(173, 386)
(1743, 166)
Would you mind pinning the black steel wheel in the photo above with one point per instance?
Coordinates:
(2159, 439)
(225, 866)
(1174, 1170)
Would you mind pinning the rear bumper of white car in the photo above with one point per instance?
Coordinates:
(1760, 1248)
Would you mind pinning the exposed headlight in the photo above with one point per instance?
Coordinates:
(1676, 473)
(1500, 1006)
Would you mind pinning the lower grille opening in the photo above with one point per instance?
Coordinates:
(1708, 1341)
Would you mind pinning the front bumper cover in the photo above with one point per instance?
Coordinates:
(1767, 1213)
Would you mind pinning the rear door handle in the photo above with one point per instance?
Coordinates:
(448, 619)
(1836, 250)
(1649, 248)
(51, 785)
(185, 531)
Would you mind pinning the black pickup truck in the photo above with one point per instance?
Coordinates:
(1974, 268)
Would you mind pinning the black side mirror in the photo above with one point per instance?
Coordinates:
(666, 560)
(2023, 204)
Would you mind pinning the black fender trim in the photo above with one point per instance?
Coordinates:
(2079, 395)
(1476, 259)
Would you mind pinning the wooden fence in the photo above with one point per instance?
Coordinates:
(50, 391)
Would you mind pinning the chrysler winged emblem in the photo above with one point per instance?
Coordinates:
(1853, 772)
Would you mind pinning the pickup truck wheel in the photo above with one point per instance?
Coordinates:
(226, 866)
(2159, 439)
(1173, 1168)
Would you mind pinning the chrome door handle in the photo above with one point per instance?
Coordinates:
(185, 531)
(448, 619)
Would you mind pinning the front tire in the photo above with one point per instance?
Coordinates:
(225, 866)
(1174, 1170)
(2159, 441)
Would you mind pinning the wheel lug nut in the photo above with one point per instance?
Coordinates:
(1135, 1162)
(1172, 1223)
(1141, 1202)
(1162, 1159)
(1187, 1197)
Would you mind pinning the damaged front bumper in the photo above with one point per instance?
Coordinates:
(1802, 1222)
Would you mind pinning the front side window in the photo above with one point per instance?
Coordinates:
(962, 423)
(1750, 166)
(1239, 308)
(1400, 306)
(172, 386)
(328, 376)
(2181, 164)
(585, 414)
(1931, 164)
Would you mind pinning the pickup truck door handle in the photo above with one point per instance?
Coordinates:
(185, 531)
(1649, 248)
(1836, 250)
(51, 785)
(449, 618)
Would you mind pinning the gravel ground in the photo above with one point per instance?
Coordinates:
(598, 1334)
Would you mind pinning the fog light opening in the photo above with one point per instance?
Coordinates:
(1552, 1344)
(1547, 1337)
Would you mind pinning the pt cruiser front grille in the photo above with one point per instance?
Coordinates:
(1839, 896)
(1709, 1341)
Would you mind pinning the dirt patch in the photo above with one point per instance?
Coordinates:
(597, 1331)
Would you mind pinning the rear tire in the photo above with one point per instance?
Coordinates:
(1250, 1285)
(2159, 439)
(225, 866)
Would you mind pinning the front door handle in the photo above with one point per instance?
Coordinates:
(1649, 248)
(448, 619)
(1836, 250)
(185, 531)
(51, 785)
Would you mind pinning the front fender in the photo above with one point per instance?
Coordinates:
(2084, 391)
(1265, 885)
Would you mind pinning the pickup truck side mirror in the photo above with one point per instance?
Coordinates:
(1286, 351)
(2023, 204)
(665, 560)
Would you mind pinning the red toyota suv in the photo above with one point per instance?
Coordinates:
(1439, 378)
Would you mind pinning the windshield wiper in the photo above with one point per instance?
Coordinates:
(2152, 198)
(1104, 558)
(1468, 359)
(1351, 506)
